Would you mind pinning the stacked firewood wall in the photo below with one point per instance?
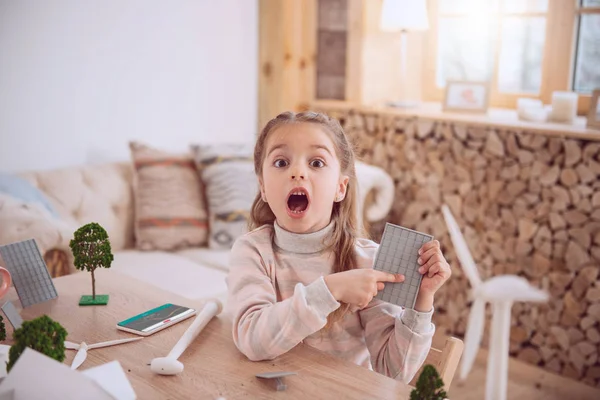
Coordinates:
(528, 204)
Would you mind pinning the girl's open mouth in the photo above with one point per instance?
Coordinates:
(297, 202)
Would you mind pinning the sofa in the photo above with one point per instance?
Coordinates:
(104, 194)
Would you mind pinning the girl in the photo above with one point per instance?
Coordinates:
(303, 274)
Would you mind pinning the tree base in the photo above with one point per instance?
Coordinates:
(100, 300)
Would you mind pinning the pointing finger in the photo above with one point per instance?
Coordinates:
(384, 276)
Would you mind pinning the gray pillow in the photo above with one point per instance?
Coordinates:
(227, 172)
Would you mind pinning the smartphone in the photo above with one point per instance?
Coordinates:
(156, 319)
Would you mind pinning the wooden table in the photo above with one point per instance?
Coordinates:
(213, 365)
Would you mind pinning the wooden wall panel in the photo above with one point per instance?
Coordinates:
(287, 32)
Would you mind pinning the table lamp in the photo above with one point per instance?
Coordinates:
(404, 16)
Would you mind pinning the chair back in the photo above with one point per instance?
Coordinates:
(445, 361)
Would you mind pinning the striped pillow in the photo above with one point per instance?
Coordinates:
(170, 211)
(227, 172)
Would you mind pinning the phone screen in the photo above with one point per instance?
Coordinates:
(156, 317)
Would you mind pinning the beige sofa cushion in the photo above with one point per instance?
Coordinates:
(91, 193)
(172, 273)
(169, 205)
(20, 221)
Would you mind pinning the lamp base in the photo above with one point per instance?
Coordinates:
(402, 103)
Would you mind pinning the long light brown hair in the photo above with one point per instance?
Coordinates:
(344, 213)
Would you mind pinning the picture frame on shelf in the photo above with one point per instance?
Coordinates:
(593, 118)
(466, 96)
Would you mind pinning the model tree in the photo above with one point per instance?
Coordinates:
(91, 250)
(41, 334)
(429, 385)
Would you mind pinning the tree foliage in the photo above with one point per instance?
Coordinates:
(429, 385)
(91, 247)
(91, 250)
(41, 334)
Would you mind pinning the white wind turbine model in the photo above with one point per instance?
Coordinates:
(84, 347)
(500, 292)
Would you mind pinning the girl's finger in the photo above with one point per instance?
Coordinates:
(434, 269)
(429, 245)
(437, 257)
(382, 276)
(427, 255)
(367, 302)
(380, 286)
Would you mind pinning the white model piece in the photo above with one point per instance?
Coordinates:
(276, 377)
(500, 292)
(170, 365)
(84, 347)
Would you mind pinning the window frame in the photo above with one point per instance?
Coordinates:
(562, 19)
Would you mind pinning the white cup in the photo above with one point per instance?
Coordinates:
(564, 107)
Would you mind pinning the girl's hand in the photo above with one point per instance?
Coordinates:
(435, 270)
(357, 287)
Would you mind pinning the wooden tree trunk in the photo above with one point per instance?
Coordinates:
(93, 285)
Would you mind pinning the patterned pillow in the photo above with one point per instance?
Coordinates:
(227, 172)
(170, 211)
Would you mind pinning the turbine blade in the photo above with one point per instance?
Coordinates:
(473, 336)
(534, 294)
(80, 356)
(113, 342)
(462, 250)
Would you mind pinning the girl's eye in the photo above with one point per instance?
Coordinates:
(280, 163)
(317, 163)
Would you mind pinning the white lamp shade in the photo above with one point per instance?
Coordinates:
(399, 15)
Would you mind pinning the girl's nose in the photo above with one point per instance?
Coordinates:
(298, 171)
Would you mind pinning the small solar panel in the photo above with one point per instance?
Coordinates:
(398, 254)
(29, 272)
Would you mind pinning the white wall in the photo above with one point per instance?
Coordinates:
(80, 78)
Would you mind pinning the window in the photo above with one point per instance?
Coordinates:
(332, 36)
(586, 75)
(524, 48)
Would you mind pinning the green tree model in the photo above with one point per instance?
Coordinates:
(2, 329)
(91, 250)
(429, 386)
(41, 334)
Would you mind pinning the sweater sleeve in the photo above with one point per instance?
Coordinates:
(262, 327)
(398, 339)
